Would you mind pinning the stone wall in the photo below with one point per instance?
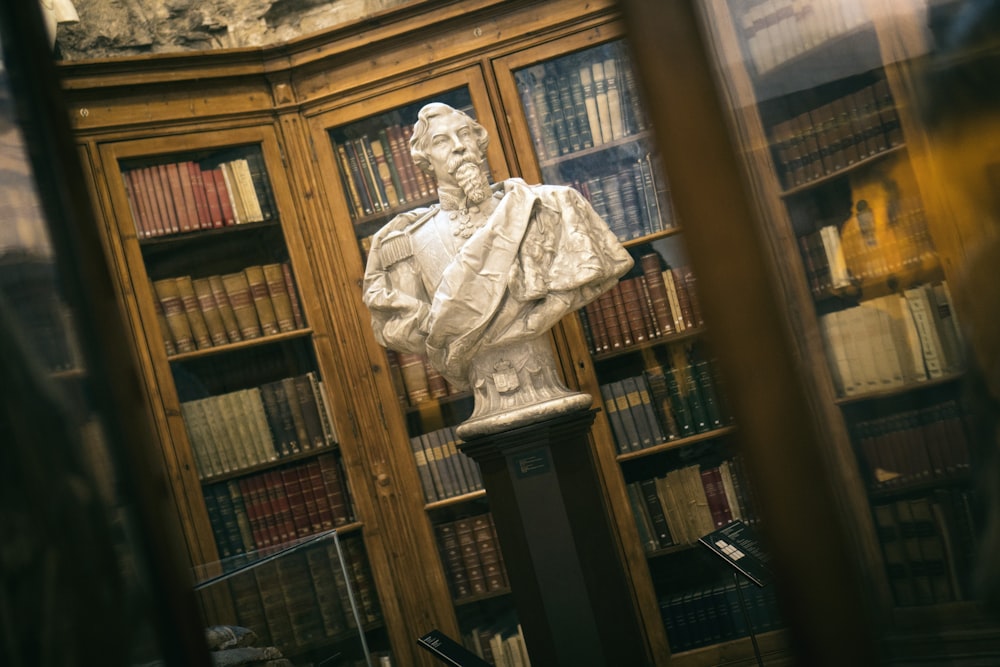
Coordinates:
(116, 28)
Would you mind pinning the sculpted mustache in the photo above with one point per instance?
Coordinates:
(461, 160)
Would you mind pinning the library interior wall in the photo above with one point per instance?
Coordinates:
(118, 28)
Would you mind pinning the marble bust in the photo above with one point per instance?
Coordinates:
(476, 281)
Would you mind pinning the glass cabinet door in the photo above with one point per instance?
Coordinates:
(249, 413)
(367, 155)
(664, 437)
(839, 109)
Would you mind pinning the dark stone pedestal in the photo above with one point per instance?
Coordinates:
(568, 582)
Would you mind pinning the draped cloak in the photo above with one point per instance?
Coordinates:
(543, 251)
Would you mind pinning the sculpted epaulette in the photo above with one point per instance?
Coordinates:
(394, 239)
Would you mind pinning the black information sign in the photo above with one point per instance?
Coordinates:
(737, 545)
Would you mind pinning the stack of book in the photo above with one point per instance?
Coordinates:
(634, 201)
(498, 641)
(688, 503)
(444, 471)
(245, 428)
(577, 103)
(929, 545)
(836, 135)
(663, 405)
(186, 196)
(209, 311)
(378, 173)
(893, 341)
(471, 555)
(259, 513)
(713, 614)
(833, 262)
(659, 302)
(300, 600)
(913, 446)
(775, 31)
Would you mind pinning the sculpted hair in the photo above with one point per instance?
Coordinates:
(418, 141)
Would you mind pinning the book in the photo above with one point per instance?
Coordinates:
(277, 291)
(168, 293)
(267, 317)
(237, 288)
(919, 304)
(211, 313)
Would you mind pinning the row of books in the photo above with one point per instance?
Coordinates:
(893, 340)
(688, 503)
(444, 471)
(300, 600)
(914, 445)
(577, 103)
(633, 200)
(714, 614)
(209, 311)
(498, 641)
(416, 381)
(775, 31)
(929, 545)
(186, 196)
(471, 555)
(837, 134)
(833, 262)
(257, 514)
(249, 427)
(664, 404)
(378, 173)
(653, 304)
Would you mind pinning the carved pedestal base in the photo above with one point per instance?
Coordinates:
(517, 385)
(564, 564)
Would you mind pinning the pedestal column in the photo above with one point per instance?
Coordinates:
(568, 581)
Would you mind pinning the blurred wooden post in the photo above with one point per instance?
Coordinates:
(818, 583)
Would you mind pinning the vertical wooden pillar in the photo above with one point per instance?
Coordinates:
(569, 585)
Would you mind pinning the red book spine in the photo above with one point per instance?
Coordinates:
(186, 207)
(139, 213)
(633, 307)
(225, 205)
(197, 181)
(279, 505)
(335, 489)
(296, 502)
(252, 502)
(151, 186)
(309, 498)
(715, 493)
(170, 219)
(211, 197)
(323, 505)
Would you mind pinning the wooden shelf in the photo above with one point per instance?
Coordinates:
(899, 391)
(672, 339)
(596, 150)
(200, 235)
(677, 444)
(241, 345)
(456, 500)
(260, 467)
(826, 178)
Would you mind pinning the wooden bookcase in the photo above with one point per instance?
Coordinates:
(303, 109)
